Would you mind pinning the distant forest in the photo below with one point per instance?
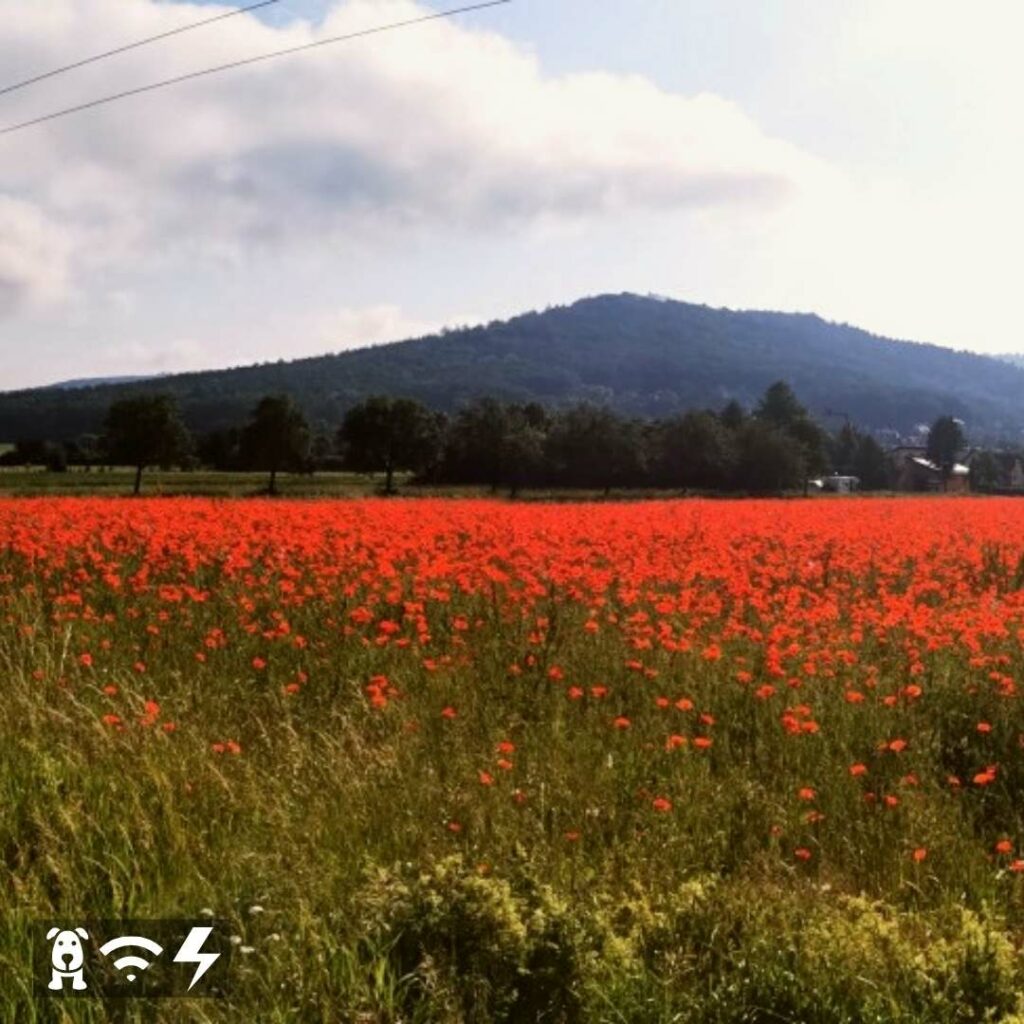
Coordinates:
(638, 357)
(774, 447)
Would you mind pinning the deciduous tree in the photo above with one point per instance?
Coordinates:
(145, 431)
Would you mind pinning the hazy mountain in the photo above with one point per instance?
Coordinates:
(641, 355)
(95, 382)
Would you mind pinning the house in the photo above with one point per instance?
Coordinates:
(914, 471)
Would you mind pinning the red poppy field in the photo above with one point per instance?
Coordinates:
(478, 761)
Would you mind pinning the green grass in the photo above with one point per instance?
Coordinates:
(333, 819)
(117, 482)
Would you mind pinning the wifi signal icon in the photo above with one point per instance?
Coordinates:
(131, 961)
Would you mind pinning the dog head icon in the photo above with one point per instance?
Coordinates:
(67, 955)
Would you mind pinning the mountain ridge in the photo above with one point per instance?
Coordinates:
(642, 355)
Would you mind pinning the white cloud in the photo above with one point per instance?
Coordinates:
(34, 255)
(374, 325)
(439, 125)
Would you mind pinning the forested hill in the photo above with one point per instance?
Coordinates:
(643, 356)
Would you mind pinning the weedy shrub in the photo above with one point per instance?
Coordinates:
(477, 951)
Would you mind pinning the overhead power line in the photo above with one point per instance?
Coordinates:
(377, 30)
(134, 46)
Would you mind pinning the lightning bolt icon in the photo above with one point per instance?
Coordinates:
(190, 953)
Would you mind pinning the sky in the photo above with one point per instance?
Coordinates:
(858, 160)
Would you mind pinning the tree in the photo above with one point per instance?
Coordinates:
(145, 431)
(221, 449)
(321, 451)
(388, 435)
(276, 438)
(779, 406)
(780, 409)
(56, 457)
(945, 439)
(812, 440)
(733, 415)
(29, 451)
(495, 443)
(473, 446)
(844, 450)
(697, 450)
(770, 460)
(521, 455)
(870, 464)
(589, 446)
(986, 472)
(85, 450)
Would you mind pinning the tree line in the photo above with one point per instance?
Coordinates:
(771, 448)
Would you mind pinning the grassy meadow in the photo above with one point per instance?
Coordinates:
(119, 481)
(470, 761)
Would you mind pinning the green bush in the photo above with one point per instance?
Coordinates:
(477, 951)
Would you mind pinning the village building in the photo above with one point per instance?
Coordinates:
(914, 471)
